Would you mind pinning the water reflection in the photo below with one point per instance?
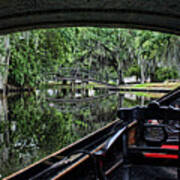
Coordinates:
(37, 124)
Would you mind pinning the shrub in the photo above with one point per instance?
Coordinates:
(165, 73)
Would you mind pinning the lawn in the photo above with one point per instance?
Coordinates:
(165, 85)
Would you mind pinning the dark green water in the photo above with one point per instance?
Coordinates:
(37, 124)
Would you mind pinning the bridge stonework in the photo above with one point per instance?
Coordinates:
(161, 15)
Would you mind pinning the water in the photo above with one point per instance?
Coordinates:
(33, 125)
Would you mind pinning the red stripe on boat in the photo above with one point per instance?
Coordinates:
(157, 155)
(170, 146)
(167, 156)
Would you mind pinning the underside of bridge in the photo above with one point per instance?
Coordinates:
(158, 15)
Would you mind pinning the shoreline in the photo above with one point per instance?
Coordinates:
(149, 87)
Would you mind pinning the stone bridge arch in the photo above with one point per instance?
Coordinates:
(158, 15)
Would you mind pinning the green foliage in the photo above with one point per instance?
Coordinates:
(37, 52)
(133, 71)
(24, 66)
(118, 52)
(166, 73)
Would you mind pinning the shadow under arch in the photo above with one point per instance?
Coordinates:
(158, 15)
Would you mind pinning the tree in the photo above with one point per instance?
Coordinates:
(150, 47)
(4, 61)
(107, 51)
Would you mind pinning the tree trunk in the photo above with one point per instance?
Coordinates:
(152, 71)
(4, 61)
(142, 72)
(153, 77)
(121, 79)
(120, 73)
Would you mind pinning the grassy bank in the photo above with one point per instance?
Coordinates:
(165, 85)
(146, 86)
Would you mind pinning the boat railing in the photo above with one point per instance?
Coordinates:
(141, 116)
